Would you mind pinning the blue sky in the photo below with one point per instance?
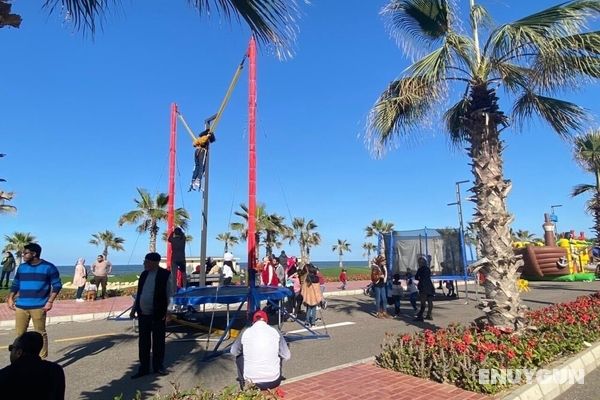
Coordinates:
(86, 121)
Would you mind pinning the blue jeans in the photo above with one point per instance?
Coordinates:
(413, 300)
(311, 314)
(380, 298)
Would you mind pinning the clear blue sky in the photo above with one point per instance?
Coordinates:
(86, 121)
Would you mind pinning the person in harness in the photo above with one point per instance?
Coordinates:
(201, 149)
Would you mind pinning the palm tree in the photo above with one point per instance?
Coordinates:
(532, 59)
(341, 247)
(108, 240)
(6, 208)
(378, 227)
(307, 238)
(228, 239)
(587, 153)
(368, 247)
(16, 243)
(271, 21)
(268, 227)
(150, 212)
(523, 236)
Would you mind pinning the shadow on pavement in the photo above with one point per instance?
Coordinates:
(77, 352)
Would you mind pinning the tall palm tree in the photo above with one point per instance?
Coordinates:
(369, 248)
(532, 58)
(269, 227)
(523, 236)
(307, 237)
(6, 208)
(271, 21)
(150, 212)
(341, 247)
(228, 239)
(587, 153)
(108, 240)
(16, 243)
(376, 228)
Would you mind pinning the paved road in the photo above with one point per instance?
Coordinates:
(590, 390)
(100, 356)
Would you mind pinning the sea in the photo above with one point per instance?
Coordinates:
(137, 268)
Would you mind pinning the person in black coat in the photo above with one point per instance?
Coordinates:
(151, 302)
(28, 376)
(426, 288)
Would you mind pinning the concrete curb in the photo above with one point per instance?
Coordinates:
(588, 360)
(368, 360)
(59, 319)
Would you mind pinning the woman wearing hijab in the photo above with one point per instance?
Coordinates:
(80, 279)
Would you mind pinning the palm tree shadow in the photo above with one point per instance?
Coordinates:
(77, 352)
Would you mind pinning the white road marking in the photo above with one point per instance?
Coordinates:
(316, 328)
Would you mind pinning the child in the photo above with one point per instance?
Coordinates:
(397, 292)
(91, 290)
(413, 291)
(343, 278)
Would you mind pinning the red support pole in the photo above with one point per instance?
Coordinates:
(251, 165)
(171, 202)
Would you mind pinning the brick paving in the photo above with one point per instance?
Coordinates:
(367, 381)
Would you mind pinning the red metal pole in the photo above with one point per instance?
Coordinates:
(171, 202)
(252, 164)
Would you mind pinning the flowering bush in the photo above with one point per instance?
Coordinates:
(229, 393)
(455, 354)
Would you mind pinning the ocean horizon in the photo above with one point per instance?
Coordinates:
(137, 268)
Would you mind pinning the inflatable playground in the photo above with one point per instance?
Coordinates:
(567, 259)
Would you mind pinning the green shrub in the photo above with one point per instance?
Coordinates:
(229, 393)
(455, 354)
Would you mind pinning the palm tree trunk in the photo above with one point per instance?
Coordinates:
(153, 236)
(499, 264)
(105, 252)
(341, 263)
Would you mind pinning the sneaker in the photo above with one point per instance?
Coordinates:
(79, 300)
(324, 304)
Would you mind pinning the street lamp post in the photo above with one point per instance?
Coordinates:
(461, 233)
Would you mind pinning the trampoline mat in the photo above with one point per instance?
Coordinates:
(228, 294)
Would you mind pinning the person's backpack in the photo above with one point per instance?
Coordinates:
(375, 273)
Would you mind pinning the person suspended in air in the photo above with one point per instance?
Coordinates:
(201, 149)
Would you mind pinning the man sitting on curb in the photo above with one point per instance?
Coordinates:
(28, 376)
(259, 353)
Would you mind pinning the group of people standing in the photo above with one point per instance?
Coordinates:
(100, 270)
(423, 289)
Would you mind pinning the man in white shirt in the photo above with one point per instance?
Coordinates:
(259, 353)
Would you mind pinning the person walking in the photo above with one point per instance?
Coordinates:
(177, 240)
(37, 283)
(311, 294)
(379, 279)
(426, 288)
(227, 268)
(8, 266)
(259, 353)
(28, 376)
(150, 307)
(101, 268)
(343, 278)
(80, 279)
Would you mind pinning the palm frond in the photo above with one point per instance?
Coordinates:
(455, 118)
(272, 21)
(423, 21)
(582, 188)
(398, 110)
(535, 32)
(514, 77)
(563, 116)
(432, 67)
(479, 16)
(586, 150)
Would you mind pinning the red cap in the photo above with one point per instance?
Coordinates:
(260, 314)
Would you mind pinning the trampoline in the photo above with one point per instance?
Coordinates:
(188, 299)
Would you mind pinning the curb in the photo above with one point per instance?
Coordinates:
(588, 360)
(59, 319)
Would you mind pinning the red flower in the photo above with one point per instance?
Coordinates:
(279, 392)
(405, 339)
(510, 354)
(467, 338)
(460, 347)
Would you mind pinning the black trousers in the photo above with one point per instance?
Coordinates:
(425, 298)
(152, 335)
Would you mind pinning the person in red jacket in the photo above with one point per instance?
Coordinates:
(268, 275)
(343, 278)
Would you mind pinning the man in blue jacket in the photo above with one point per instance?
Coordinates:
(37, 282)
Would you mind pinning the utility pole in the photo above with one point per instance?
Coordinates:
(461, 232)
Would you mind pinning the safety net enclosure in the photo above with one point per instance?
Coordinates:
(442, 247)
